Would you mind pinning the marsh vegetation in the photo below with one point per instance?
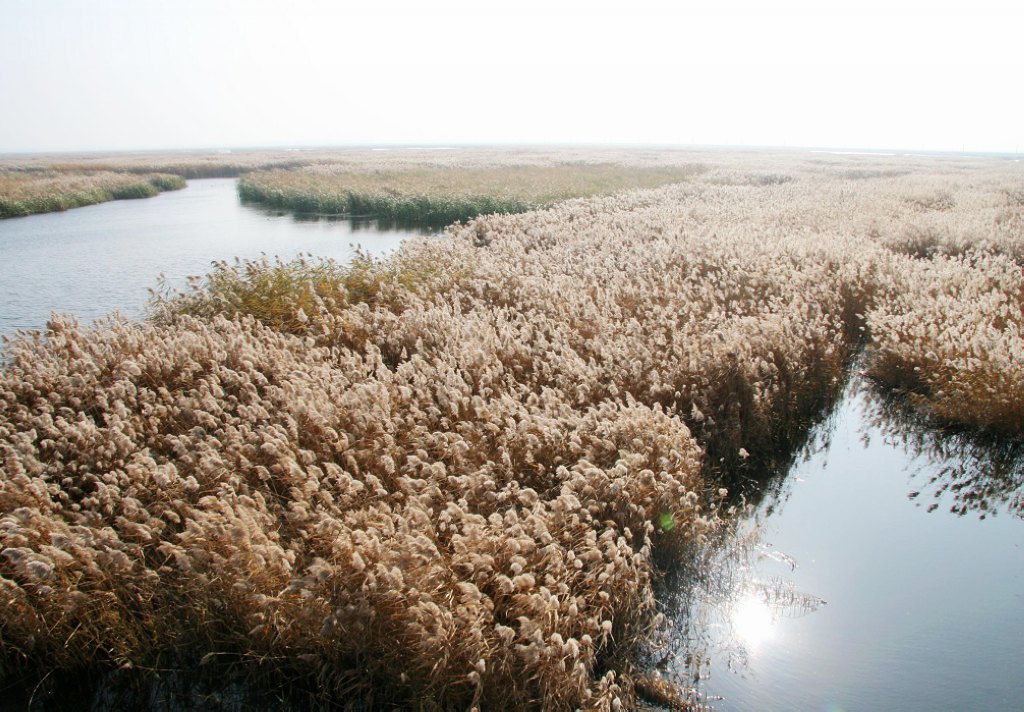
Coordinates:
(438, 195)
(42, 184)
(453, 477)
(108, 258)
(415, 187)
(28, 192)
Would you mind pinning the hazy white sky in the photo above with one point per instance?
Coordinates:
(137, 74)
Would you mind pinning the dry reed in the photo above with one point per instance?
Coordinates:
(449, 478)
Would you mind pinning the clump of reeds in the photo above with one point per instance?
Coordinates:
(951, 340)
(244, 491)
(935, 215)
(29, 192)
(440, 195)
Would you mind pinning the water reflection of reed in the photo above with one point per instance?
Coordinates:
(707, 597)
(355, 223)
(763, 482)
(976, 473)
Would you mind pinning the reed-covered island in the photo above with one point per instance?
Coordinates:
(438, 195)
(453, 478)
(26, 192)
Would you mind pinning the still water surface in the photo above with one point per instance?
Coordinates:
(93, 260)
(884, 571)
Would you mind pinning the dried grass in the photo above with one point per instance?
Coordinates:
(449, 478)
(951, 340)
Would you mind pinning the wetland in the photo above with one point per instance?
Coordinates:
(773, 401)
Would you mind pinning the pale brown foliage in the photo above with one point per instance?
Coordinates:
(221, 485)
(446, 476)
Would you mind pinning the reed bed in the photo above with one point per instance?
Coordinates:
(29, 192)
(198, 167)
(187, 164)
(951, 340)
(320, 508)
(222, 164)
(933, 213)
(439, 196)
(942, 329)
(452, 478)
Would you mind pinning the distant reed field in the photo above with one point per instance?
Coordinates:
(440, 195)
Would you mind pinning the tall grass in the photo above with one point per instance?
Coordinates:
(951, 340)
(187, 164)
(258, 494)
(29, 192)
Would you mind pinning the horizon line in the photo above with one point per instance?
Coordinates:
(448, 145)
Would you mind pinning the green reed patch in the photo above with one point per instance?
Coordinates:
(440, 195)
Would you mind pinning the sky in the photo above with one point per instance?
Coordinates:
(99, 75)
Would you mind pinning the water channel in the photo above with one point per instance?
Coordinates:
(93, 260)
(885, 570)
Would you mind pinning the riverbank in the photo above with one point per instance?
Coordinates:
(440, 195)
(29, 192)
(418, 187)
(33, 184)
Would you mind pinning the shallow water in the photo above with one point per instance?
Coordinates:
(868, 581)
(90, 261)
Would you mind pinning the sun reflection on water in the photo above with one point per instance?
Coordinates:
(753, 622)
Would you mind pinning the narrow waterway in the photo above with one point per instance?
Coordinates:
(885, 571)
(94, 260)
